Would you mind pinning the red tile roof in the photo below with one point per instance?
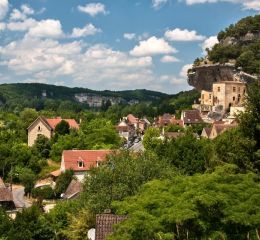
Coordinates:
(73, 190)
(53, 122)
(132, 119)
(5, 195)
(88, 157)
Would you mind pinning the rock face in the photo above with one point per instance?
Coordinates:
(203, 77)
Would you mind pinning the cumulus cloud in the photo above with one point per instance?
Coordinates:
(209, 43)
(169, 59)
(22, 14)
(152, 46)
(4, 6)
(129, 36)
(156, 4)
(247, 4)
(183, 35)
(88, 30)
(93, 9)
(22, 25)
(2, 26)
(184, 70)
(48, 28)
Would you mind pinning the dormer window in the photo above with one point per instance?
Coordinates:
(81, 164)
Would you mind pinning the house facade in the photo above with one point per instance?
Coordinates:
(46, 127)
(81, 161)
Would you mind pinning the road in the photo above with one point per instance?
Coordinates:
(19, 200)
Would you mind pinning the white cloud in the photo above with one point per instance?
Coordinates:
(156, 4)
(88, 30)
(2, 26)
(21, 14)
(22, 25)
(209, 43)
(247, 4)
(129, 36)
(184, 70)
(93, 9)
(183, 35)
(4, 6)
(169, 59)
(48, 28)
(152, 46)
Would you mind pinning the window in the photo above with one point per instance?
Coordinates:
(39, 129)
(234, 89)
(209, 96)
(218, 89)
(234, 98)
(80, 164)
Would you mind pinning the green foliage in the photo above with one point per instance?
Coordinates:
(232, 147)
(151, 138)
(62, 128)
(246, 53)
(222, 203)
(188, 154)
(43, 193)
(173, 128)
(28, 179)
(241, 28)
(121, 176)
(30, 225)
(42, 146)
(63, 182)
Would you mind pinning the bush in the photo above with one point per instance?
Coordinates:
(43, 193)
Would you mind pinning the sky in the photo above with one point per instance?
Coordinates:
(111, 44)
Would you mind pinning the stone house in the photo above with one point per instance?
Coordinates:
(218, 129)
(125, 130)
(225, 94)
(206, 132)
(81, 161)
(46, 127)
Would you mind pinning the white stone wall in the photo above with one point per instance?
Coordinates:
(37, 129)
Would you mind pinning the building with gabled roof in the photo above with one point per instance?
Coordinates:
(206, 132)
(6, 197)
(81, 161)
(218, 129)
(190, 117)
(46, 127)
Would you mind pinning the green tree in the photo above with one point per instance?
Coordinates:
(218, 205)
(62, 128)
(42, 146)
(63, 182)
(28, 179)
(151, 138)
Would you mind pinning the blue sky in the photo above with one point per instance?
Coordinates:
(111, 44)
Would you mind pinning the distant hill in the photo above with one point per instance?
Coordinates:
(17, 96)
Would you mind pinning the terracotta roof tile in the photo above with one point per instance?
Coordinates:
(5, 195)
(53, 122)
(88, 157)
(104, 224)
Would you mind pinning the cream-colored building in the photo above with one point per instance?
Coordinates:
(46, 126)
(226, 94)
(229, 94)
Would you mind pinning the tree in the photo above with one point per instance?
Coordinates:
(63, 182)
(151, 138)
(202, 206)
(62, 128)
(121, 176)
(28, 179)
(42, 146)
